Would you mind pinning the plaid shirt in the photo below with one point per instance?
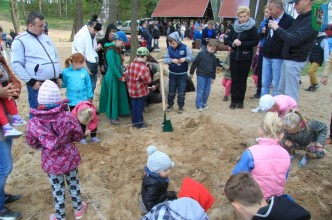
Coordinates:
(138, 78)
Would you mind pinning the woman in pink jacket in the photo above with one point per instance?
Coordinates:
(86, 114)
(53, 130)
(267, 161)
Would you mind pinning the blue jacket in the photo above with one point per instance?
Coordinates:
(182, 51)
(78, 84)
(205, 34)
(260, 34)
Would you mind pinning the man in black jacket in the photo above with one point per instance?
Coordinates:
(298, 41)
(272, 49)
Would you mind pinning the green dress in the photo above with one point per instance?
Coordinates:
(113, 94)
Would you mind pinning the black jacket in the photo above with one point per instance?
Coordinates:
(317, 52)
(156, 33)
(282, 208)
(249, 40)
(273, 46)
(153, 191)
(298, 38)
(206, 64)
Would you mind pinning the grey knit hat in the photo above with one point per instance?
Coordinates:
(158, 161)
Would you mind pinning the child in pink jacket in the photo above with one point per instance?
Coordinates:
(267, 161)
(53, 130)
(281, 104)
(86, 114)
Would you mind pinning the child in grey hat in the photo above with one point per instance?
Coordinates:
(155, 180)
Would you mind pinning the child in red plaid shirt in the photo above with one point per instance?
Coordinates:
(138, 78)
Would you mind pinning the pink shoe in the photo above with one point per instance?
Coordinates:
(52, 217)
(79, 214)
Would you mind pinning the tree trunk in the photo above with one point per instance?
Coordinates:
(78, 20)
(260, 12)
(40, 5)
(252, 7)
(15, 15)
(113, 12)
(134, 39)
(60, 7)
(105, 13)
(66, 8)
(23, 9)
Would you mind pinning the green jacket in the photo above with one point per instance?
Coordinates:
(113, 94)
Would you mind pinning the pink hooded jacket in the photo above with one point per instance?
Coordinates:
(54, 131)
(271, 165)
(85, 104)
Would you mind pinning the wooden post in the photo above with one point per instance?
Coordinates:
(161, 70)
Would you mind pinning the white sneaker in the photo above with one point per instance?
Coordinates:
(84, 141)
(11, 133)
(205, 106)
(18, 122)
(95, 139)
(200, 109)
(255, 110)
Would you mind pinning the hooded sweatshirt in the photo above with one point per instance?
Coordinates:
(181, 51)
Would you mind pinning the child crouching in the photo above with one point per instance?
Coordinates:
(53, 130)
(155, 180)
(138, 78)
(302, 134)
(86, 114)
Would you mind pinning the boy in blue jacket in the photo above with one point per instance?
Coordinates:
(178, 56)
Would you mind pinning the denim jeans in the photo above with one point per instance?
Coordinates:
(6, 166)
(137, 109)
(271, 73)
(93, 78)
(156, 43)
(32, 98)
(203, 90)
(177, 83)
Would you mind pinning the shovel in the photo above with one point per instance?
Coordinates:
(167, 124)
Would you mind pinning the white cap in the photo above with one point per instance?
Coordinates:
(266, 102)
(49, 93)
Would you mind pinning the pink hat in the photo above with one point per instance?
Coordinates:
(49, 93)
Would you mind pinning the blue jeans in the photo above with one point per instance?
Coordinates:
(203, 90)
(156, 43)
(137, 109)
(271, 72)
(93, 78)
(6, 166)
(32, 98)
(177, 83)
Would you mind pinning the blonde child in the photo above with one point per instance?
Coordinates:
(77, 80)
(155, 180)
(53, 130)
(86, 114)
(8, 105)
(227, 79)
(267, 161)
(303, 134)
(281, 104)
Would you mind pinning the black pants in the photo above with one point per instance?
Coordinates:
(239, 72)
(259, 72)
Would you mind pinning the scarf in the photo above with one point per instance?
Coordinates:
(238, 28)
(155, 175)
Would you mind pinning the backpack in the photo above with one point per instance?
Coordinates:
(190, 87)
(117, 50)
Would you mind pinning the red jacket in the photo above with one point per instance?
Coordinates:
(138, 78)
(84, 104)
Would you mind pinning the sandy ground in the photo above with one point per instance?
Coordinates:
(204, 146)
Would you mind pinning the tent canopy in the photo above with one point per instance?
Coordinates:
(180, 8)
(228, 8)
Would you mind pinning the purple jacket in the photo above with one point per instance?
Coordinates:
(53, 131)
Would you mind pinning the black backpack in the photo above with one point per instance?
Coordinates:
(190, 85)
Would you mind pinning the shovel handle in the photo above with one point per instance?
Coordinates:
(161, 70)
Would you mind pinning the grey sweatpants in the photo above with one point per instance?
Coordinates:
(290, 78)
